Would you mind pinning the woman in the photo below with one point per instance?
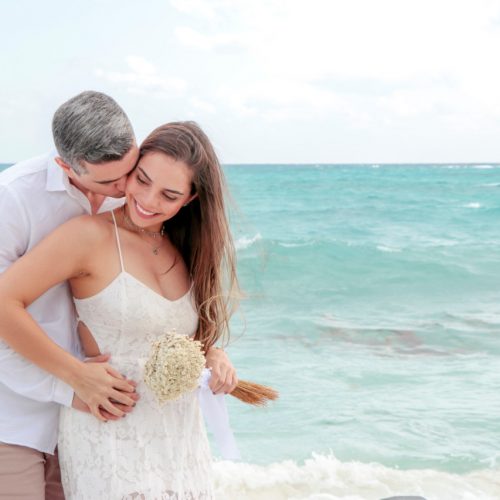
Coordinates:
(154, 265)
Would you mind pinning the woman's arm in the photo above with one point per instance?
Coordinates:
(64, 254)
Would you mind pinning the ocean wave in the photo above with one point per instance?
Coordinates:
(245, 242)
(324, 477)
(388, 341)
(383, 248)
(483, 319)
(476, 167)
(473, 204)
(491, 184)
(296, 245)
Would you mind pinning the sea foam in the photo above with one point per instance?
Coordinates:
(246, 242)
(324, 477)
(384, 248)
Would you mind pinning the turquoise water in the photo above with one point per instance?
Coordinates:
(373, 307)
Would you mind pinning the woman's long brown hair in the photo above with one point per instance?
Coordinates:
(200, 231)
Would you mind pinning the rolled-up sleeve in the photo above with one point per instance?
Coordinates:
(17, 373)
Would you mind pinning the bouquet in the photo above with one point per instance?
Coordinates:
(175, 366)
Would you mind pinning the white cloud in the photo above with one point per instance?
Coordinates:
(410, 103)
(142, 77)
(389, 41)
(192, 38)
(425, 57)
(279, 99)
(199, 8)
(140, 65)
(201, 105)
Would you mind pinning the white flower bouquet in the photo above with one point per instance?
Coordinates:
(175, 366)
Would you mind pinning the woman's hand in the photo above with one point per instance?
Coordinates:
(223, 379)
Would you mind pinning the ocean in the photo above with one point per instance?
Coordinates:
(373, 306)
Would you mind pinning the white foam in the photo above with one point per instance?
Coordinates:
(323, 477)
(483, 167)
(296, 245)
(384, 248)
(473, 204)
(245, 242)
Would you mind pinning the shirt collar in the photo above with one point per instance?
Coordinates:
(55, 174)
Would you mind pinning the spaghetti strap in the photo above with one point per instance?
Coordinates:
(118, 241)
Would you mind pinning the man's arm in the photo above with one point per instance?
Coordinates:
(18, 374)
(60, 256)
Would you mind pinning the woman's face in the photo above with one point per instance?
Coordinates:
(157, 189)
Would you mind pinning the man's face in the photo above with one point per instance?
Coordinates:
(108, 178)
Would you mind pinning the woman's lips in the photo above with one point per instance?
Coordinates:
(142, 212)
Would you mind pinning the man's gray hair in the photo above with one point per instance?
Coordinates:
(91, 127)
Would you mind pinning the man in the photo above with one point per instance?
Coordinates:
(96, 150)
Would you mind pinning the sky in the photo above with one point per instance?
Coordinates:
(270, 81)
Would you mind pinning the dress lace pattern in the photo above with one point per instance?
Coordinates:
(155, 452)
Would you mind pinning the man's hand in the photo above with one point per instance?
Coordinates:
(79, 405)
(104, 391)
(223, 379)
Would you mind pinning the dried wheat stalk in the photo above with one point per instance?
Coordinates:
(254, 394)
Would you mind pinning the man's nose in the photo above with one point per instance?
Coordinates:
(120, 185)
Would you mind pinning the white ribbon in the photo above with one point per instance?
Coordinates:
(213, 407)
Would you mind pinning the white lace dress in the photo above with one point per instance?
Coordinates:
(155, 452)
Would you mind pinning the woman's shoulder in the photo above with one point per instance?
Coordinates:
(90, 229)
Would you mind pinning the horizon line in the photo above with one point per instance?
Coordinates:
(371, 163)
(497, 163)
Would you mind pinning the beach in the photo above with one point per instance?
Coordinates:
(372, 306)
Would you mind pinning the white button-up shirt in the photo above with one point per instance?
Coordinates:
(36, 197)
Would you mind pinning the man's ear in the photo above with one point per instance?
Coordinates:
(67, 169)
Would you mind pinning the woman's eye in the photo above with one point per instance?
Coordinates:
(140, 181)
(169, 198)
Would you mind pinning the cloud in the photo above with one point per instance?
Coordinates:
(201, 105)
(279, 99)
(192, 38)
(142, 77)
(426, 57)
(199, 8)
(140, 65)
(409, 103)
(389, 41)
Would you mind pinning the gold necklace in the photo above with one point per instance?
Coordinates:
(140, 230)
